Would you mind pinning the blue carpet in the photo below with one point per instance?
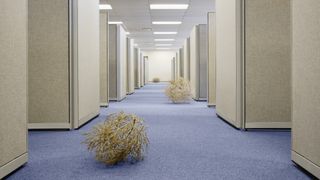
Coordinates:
(187, 141)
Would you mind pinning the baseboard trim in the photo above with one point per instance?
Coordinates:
(104, 104)
(211, 105)
(83, 121)
(34, 126)
(13, 165)
(305, 163)
(118, 99)
(268, 125)
(200, 99)
(228, 121)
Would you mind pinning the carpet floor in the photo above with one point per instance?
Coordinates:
(187, 142)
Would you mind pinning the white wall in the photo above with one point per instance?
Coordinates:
(160, 64)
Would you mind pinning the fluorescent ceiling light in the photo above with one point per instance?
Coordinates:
(105, 7)
(163, 48)
(163, 44)
(167, 22)
(165, 32)
(115, 22)
(127, 33)
(169, 6)
(164, 39)
(135, 44)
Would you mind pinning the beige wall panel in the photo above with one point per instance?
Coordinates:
(141, 61)
(104, 59)
(194, 66)
(173, 69)
(113, 62)
(117, 62)
(198, 62)
(306, 86)
(136, 68)
(177, 64)
(13, 89)
(88, 59)
(211, 59)
(122, 63)
(181, 52)
(186, 58)
(48, 61)
(268, 62)
(203, 61)
(130, 66)
(227, 60)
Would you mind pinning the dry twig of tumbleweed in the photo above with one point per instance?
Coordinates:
(156, 80)
(179, 91)
(122, 137)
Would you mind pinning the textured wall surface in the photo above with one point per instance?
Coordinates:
(13, 78)
(48, 61)
(268, 61)
(203, 61)
(122, 63)
(141, 68)
(212, 59)
(181, 65)
(306, 76)
(136, 68)
(104, 59)
(186, 58)
(130, 66)
(226, 21)
(113, 61)
(88, 59)
(194, 65)
(198, 61)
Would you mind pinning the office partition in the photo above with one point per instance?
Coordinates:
(117, 62)
(130, 66)
(306, 86)
(13, 89)
(146, 70)
(63, 63)
(211, 59)
(104, 59)
(186, 59)
(173, 69)
(137, 82)
(181, 64)
(141, 61)
(198, 62)
(253, 70)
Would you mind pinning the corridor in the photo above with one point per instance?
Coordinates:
(187, 141)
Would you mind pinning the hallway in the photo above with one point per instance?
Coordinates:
(187, 141)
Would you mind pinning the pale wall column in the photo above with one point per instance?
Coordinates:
(306, 86)
(13, 89)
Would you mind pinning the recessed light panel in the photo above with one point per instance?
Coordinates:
(105, 7)
(165, 32)
(160, 40)
(115, 22)
(166, 22)
(162, 48)
(163, 44)
(169, 6)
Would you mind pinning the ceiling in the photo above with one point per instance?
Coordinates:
(137, 19)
